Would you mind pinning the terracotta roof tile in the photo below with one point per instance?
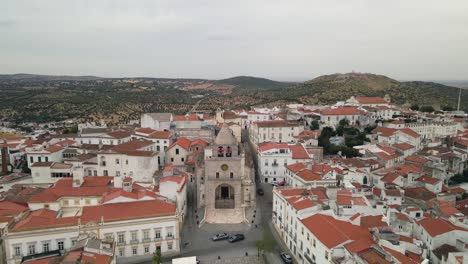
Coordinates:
(332, 232)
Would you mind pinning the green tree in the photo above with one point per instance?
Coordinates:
(447, 108)
(157, 257)
(427, 109)
(314, 125)
(414, 107)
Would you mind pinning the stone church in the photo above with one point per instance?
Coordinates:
(225, 181)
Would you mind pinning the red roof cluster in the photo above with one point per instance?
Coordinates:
(341, 111)
(332, 232)
(44, 218)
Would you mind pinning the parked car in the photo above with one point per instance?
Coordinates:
(235, 238)
(275, 183)
(286, 257)
(260, 192)
(220, 236)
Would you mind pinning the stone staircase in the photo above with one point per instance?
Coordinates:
(224, 216)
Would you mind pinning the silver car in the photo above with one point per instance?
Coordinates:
(220, 236)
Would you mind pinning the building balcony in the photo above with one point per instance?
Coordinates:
(134, 241)
(274, 164)
(146, 240)
(157, 239)
(169, 237)
(121, 243)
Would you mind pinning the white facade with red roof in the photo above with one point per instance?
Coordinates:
(174, 188)
(137, 159)
(435, 232)
(313, 175)
(162, 139)
(52, 153)
(332, 116)
(137, 228)
(110, 137)
(135, 216)
(368, 101)
(431, 130)
(274, 157)
(279, 131)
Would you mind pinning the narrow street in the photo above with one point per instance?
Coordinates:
(197, 241)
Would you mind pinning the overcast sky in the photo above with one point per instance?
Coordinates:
(282, 40)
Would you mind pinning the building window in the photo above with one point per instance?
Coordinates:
(121, 252)
(126, 162)
(117, 161)
(117, 173)
(121, 238)
(157, 235)
(169, 233)
(45, 247)
(17, 250)
(169, 246)
(73, 242)
(32, 249)
(134, 251)
(46, 159)
(217, 175)
(182, 159)
(146, 249)
(177, 151)
(106, 173)
(146, 234)
(231, 175)
(172, 159)
(31, 160)
(134, 236)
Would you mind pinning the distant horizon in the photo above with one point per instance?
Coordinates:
(298, 40)
(455, 81)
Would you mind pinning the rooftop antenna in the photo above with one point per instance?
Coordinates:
(459, 98)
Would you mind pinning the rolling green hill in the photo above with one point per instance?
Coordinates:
(39, 98)
(331, 88)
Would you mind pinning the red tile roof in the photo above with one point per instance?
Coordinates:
(402, 258)
(370, 221)
(133, 145)
(182, 142)
(299, 152)
(64, 188)
(332, 232)
(416, 159)
(54, 148)
(420, 193)
(119, 134)
(438, 226)
(9, 210)
(45, 219)
(370, 100)
(410, 132)
(341, 111)
(301, 192)
(402, 217)
(271, 145)
(429, 180)
(296, 167)
(403, 146)
(350, 200)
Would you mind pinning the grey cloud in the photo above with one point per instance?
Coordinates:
(418, 39)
